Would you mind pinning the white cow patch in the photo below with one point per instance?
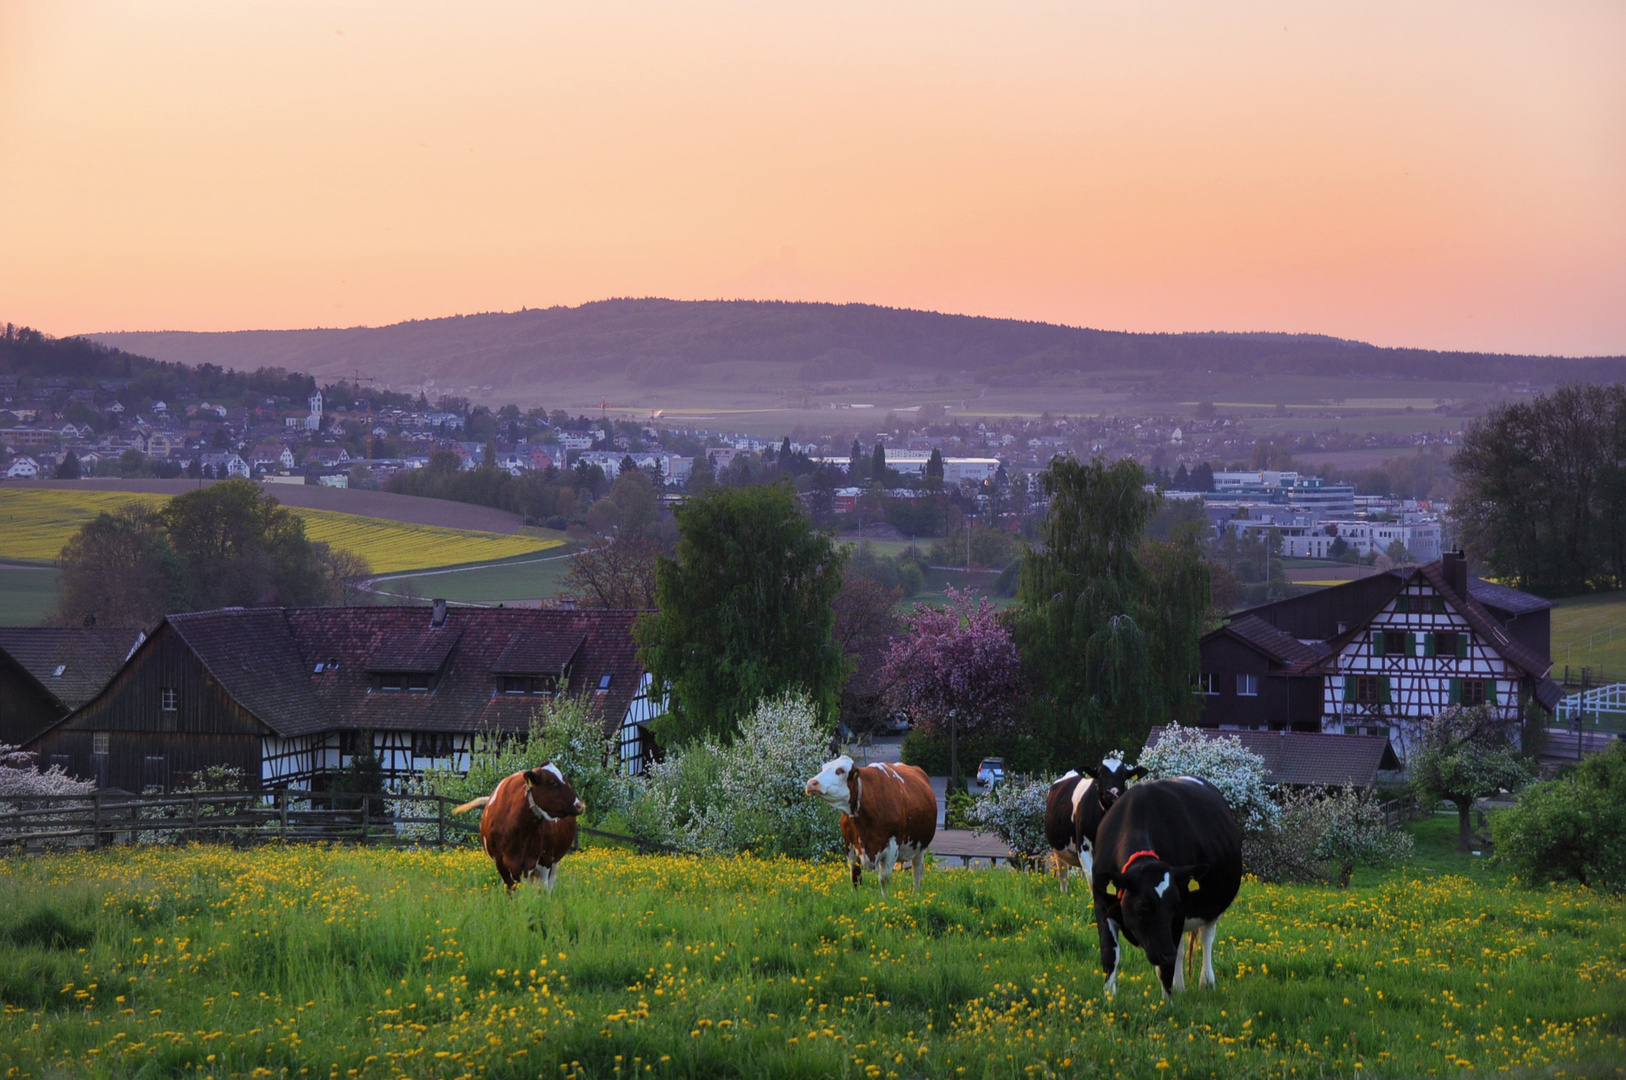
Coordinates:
(554, 769)
(888, 770)
(1068, 775)
(1163, 886)
(1079, 792)
(1190, 779)
(1112, 764)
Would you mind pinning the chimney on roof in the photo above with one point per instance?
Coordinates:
(1454, 566)
(437, 617)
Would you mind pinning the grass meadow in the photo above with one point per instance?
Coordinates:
(35, 523)
(1581, 635)
(343, 963)
(530, 577)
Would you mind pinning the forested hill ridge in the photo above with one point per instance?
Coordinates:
(659, 342)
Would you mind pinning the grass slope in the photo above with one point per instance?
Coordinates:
(35, 523)
(365, 963)
(529, 578)
(27, 594)
(1581, 626)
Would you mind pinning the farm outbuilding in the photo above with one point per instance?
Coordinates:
(1311, 759)
(48, 671)
(294, 696)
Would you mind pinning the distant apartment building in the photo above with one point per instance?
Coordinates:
(673, 468)
(1269, 486)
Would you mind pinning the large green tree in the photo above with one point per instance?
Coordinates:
(120, 568)
(744, 612)
(1541, 490)
(1106, 620)
(221, 546)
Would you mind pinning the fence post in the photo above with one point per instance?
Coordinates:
(194, 817)
(440, 815)
(96, 821)
(366, 818)
(282, 824)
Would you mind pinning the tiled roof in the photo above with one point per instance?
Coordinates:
(1277, 644)
(1311, 758)
(538, 654)
(254, 657)
(467, 696)
(1505, 599)
(422, 650)
(87, 657)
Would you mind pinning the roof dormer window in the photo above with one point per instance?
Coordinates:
(60, 668)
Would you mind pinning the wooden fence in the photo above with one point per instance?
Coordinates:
(36, 822)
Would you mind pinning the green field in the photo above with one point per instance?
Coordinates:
(1581, 635)
(526, 578)
(323, 962)
(27, 594)
(36, 522)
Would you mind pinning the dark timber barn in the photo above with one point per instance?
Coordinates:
(292, 696)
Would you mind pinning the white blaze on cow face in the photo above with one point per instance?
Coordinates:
(554, 769)
(1163, 886)
(831, 783)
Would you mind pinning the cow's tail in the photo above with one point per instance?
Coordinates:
(472, 804)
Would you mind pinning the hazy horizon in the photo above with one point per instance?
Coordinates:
(1446, 176)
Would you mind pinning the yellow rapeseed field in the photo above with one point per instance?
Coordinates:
(35, 523)
(311, 962)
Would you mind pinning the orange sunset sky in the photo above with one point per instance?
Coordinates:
(1450, 175)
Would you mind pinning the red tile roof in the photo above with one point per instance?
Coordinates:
(267, 659)
(1279, 645)
(86, 656)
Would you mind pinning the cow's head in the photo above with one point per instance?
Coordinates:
(831, 784)
(549, 794)
(1150, 903)
(1112, 779)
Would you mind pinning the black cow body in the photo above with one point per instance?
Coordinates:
(1073, 811)
(1172, 854)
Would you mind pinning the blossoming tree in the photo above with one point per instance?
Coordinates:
(957, 661)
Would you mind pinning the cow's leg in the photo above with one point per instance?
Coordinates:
(885, 861)
(1111, 953)
(1207, 980)
(548, 875)
(1061, 869)
(855, 864)
(920, 868)
(1086, 863)
(1180, 963)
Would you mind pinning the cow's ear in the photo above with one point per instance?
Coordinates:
(1136, 773)
(1190, 878)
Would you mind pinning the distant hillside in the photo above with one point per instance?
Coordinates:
(661, 342)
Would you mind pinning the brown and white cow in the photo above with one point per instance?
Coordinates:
(528, 824)
(888, 815)
(1073, 811)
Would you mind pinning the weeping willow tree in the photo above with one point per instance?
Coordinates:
(1107, 620)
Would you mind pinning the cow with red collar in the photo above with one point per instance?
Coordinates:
(1168, 863)
(1073, 811)
(528, 824)
(888, 815)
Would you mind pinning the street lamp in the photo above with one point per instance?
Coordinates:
(954, 754)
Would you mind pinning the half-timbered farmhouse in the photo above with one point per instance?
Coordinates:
(293, 696)
(48, 671)
(1377, 655)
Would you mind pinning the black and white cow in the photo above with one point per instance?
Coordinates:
(1168, 862)
(1073, 811)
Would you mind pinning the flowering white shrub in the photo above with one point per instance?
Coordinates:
(1348, 827)
(1014, 812)
(20, 778)
(748, 796)
(1223, 761)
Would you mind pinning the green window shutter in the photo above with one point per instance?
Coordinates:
(1428, 644)
(1462, 645)
(1383, 689)
(1455, 697)
(1490, 691)
(1349, 689)
(1403, 605)
(1439, 604)
(1377, 643)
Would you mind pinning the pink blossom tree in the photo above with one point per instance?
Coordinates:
(959, 659)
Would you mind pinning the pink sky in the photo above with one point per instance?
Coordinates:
(1442, 175)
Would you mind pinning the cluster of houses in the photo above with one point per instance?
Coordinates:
(295, 696)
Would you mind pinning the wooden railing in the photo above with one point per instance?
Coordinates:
(37, 822)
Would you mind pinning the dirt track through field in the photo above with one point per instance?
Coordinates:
(409, 509)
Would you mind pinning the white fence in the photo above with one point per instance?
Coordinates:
(1603, 706)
